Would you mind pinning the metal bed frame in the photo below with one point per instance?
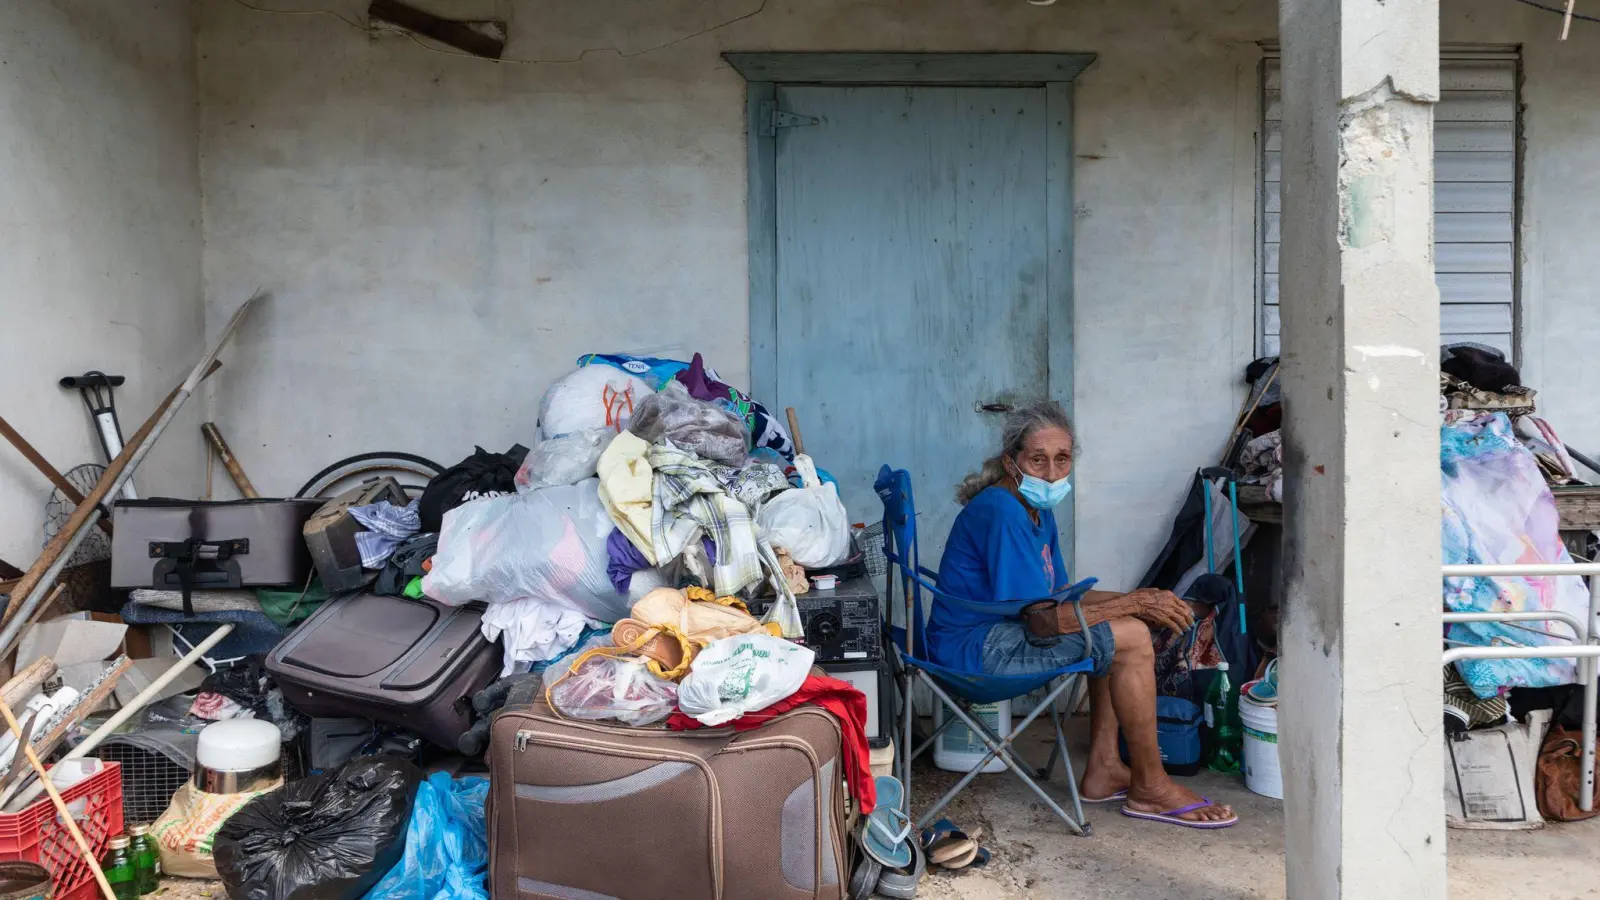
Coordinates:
(1585, 647)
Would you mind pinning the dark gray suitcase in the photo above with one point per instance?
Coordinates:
(184, 545)
(331, 534)
(413, 664)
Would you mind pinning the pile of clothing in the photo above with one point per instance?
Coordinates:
(619, 566)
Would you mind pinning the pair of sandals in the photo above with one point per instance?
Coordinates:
(891, 863)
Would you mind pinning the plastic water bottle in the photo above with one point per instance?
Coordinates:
(1222, 722)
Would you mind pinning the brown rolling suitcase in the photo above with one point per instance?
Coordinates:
(591, 810)
(414, 664)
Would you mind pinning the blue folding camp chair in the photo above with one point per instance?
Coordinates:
(960, 690)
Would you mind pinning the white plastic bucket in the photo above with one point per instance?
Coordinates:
(1261, 772)
(958, 749)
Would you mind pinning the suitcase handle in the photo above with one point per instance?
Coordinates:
(186, 564)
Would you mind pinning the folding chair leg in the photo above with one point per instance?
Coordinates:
(923, 747)
(1066, 758)
(905, 745)
(999, 748)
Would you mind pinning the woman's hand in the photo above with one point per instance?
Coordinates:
(1161, 609)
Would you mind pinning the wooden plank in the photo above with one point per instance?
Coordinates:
(1272, 228)
(1269, 255)
(455, 34)
(21, 687)
(1472, 258)
(1476, 287)
(1472, 228)
(1269, 289)
(1272, 196)
(1269, 345)
(1457, 166)
(910, 68)
(1578, 507)
(1474, 197)
(1272, 166)
(1270, 319)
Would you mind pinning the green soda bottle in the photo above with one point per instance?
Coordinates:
(1227, 732)
(146, 858)
(119, 870)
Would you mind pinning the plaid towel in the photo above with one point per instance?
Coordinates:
(388, 526)
(689, 501)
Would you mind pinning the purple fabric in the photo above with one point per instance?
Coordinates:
(625, 559)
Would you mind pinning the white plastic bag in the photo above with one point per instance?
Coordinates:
(548, 544)
(809, 522)
(608, 687)
(589, 398)
(568, 459)
(742, 674)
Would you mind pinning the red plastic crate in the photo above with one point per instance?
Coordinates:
(37, 835)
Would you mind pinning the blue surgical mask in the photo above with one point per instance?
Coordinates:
(1043, 494)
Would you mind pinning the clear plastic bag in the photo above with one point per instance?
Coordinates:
(565, 460)
(548, 544)
(809, 522)
(609, 687)
(710, 431)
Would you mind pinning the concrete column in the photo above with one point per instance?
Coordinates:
(1361, 723)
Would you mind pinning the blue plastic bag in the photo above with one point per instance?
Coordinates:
(447, 846)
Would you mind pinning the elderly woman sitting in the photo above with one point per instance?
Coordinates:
(1004, 547)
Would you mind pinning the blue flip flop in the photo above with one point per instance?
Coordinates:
(885, 831)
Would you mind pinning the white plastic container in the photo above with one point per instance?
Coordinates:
(958, 749)
(1261, 772)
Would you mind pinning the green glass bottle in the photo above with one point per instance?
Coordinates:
(146, 858)
(119, 870)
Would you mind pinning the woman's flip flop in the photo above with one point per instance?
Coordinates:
(1119, 795)
(1173, 816)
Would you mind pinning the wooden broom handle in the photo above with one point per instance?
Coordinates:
(794, 430)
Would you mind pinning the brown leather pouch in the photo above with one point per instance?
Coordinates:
(1557, 778)
(1043, 622)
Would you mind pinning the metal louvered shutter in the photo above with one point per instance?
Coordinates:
(1474, 201)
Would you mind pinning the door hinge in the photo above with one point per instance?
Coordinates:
(773, 118)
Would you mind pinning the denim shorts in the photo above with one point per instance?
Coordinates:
(1006, 650)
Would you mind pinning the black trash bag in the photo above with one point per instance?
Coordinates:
(327, 837)
(483, 474)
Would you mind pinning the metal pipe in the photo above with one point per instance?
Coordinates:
(1586, 670)
(1574, 651)
(1578, 627)
(1520, 569)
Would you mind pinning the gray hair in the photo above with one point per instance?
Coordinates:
(1020, 425)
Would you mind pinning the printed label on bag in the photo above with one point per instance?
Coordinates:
(1209, 722)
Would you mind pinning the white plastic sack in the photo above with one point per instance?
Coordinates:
(548, 544)
(742, 674)
(605, 687)
(568, 459)
(589, 398)
(809, 522)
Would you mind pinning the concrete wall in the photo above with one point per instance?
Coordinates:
(99, 236)
(444, 235)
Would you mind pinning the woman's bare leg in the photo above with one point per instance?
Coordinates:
(1105, 774)
(1131, 688)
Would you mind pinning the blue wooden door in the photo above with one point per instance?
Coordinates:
(911, 281)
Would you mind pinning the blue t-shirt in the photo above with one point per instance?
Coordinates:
(995, 554)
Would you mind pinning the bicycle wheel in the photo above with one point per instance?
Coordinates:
(406, 467)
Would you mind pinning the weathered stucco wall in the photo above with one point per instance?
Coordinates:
(99, 236)
(444, 235)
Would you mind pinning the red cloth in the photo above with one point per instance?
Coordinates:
(840, 698)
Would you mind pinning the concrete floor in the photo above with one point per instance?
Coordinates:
(1125, 859)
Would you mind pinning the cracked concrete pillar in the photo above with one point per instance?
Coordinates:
(1361, 724)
